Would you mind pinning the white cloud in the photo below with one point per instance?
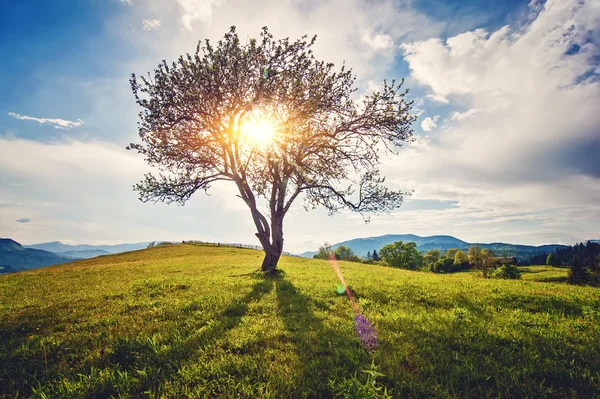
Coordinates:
(459, 116)
(438, 98)
(127, 2)
(56, 123)
(379, 41)
(149, 24)
(527, 89)
(200, 10)
(429, 124)
(522, 161)
(419, 102)
(89, 186)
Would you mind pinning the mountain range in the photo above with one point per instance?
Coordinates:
(15, 258)
(86, 251)
(361, 246)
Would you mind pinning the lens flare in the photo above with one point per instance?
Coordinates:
(364, 329)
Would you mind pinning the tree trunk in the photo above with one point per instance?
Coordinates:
(272, 255)
(273, 251)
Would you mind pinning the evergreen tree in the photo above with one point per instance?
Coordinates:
(369, 256)
(577, 272)
(376, 256)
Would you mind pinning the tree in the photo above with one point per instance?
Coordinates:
(551, 260)
(474, 254)
(270, 118)
(460, 259)
(442, 265)
(376, 257)
(431, 257)
(482, 260)
(450, 253)
(344, 253)
(577, 273)
(323, 252)
(402, 255)
(369, 256)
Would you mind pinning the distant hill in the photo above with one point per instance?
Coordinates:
(361, 246)
(60, 248)
(91, 253)
(14, 257)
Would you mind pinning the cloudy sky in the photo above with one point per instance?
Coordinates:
(507, 93)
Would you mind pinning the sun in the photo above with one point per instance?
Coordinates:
(260, 131)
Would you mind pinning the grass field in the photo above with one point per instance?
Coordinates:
(187, 321)
(546, 274)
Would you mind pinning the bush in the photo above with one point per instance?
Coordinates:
(443, 265)
(508, 272)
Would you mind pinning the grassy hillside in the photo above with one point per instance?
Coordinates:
(187, 321)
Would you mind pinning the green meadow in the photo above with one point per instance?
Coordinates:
(186, 321)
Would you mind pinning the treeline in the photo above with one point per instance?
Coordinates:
(583, 261)
(405, 255)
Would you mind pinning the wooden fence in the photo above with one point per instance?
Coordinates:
(229, 244)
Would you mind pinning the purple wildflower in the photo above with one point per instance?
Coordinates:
(365, 331)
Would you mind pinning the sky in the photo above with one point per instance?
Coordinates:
(507, 95)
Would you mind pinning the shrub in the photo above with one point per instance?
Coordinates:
(443, 265)
(508, 272)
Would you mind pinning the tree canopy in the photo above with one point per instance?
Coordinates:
(276, 122)
(402, 254)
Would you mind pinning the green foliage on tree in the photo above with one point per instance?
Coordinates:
(402, 255)
(443, 265)
(578, 274)
(323, 252)
(431, 257)
(453, 260)
(327, 145)
(451, 252)
(551, 260)
(344, 253)
(482, 260)
(460, 259)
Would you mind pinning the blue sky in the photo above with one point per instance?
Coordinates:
(508, 133)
